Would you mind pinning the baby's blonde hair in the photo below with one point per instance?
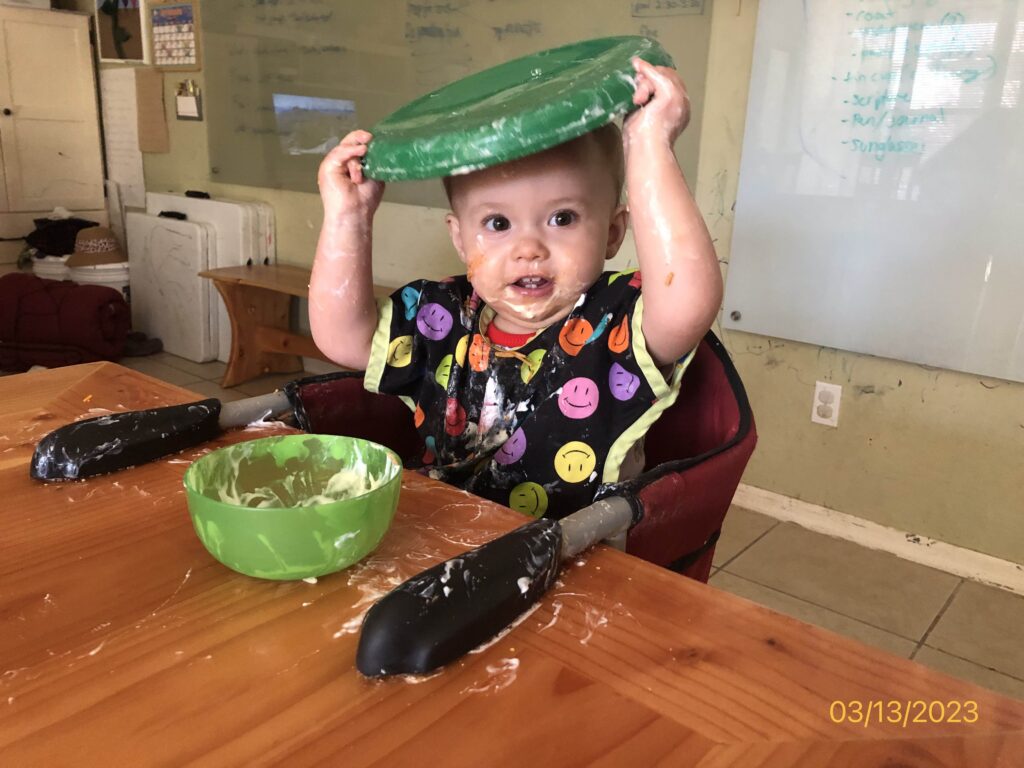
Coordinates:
(607, 140)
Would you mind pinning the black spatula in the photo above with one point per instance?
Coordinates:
(450, 609)
(120, 440)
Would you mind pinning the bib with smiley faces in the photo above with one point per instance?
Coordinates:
(538, 427)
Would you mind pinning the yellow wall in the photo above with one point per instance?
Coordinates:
(934, 452)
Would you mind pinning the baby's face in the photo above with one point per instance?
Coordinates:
(534, 234)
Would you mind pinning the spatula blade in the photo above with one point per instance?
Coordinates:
(457, 605)
(120, 440)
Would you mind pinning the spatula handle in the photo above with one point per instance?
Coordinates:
(241, 412)
(601, 520)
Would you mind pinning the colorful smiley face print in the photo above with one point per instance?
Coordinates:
(618, 339)
(622, 383)
(600, 328)
(443, 372)
(574, 461)
(578, 398)
(479, 353)
(491, 408)
(454, 417)
(531, 365)
(574, 335)
(434, 321)
(460, 350)
(410, 298)
(513, 449)
(400, 352)
(529, 498)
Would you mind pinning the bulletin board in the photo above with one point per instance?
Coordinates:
(881, 193)
(286, 80)
(120, 31)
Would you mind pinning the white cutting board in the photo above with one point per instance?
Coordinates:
(268, 233)
(265, 242)
(235, 225)
(219, 210)
(169, 299)
(245, 235)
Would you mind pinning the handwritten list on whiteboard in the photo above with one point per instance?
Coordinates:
(879, 203)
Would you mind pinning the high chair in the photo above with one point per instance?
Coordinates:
(695, 453)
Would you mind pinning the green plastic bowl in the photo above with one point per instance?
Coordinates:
(293, 506)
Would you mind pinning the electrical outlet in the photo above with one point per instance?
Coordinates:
(825, 408)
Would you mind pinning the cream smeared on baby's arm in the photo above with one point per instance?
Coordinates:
(682, 282)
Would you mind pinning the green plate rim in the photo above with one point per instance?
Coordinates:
(390, 157)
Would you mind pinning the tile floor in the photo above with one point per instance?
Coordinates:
(960, 627)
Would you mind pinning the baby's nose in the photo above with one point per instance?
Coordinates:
(530, 248)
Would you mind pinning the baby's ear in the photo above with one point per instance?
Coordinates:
(454, 232)
(616, 230)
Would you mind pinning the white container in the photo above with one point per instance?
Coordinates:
(51, 268)
(111, 275)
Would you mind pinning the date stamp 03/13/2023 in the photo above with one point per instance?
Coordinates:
(903, 712)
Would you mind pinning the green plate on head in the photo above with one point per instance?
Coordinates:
(511, 110)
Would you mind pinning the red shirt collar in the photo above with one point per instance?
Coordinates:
(504, 339)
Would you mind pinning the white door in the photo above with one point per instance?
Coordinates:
(49, 123)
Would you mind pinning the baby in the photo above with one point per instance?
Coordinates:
(534, 377)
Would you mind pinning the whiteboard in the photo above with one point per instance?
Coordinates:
(286, 79)
(880, 206)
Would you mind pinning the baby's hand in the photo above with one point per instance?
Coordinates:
(664, 106)
(343, 188)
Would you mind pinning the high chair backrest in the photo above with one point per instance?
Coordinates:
(695, 456)
(337, 404)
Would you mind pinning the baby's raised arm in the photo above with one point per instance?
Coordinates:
(682, 284)
(342, 311)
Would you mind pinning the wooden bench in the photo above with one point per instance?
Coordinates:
(258, 301)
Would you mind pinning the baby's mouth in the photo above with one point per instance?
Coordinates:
(533, 285)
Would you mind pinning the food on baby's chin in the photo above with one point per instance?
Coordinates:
(296, 490)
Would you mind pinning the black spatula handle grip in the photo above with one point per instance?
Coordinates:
(457, 605)
(120, 440)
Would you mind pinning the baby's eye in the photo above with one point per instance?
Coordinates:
(562, 218)
(497, 223)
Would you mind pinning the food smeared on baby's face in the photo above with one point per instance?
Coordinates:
(535, 233)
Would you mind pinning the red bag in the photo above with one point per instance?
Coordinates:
(54, 323)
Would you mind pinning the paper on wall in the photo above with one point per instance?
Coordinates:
(121, 134)
(149, 93)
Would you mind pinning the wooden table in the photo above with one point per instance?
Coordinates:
(258, 302)
(122, 642)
